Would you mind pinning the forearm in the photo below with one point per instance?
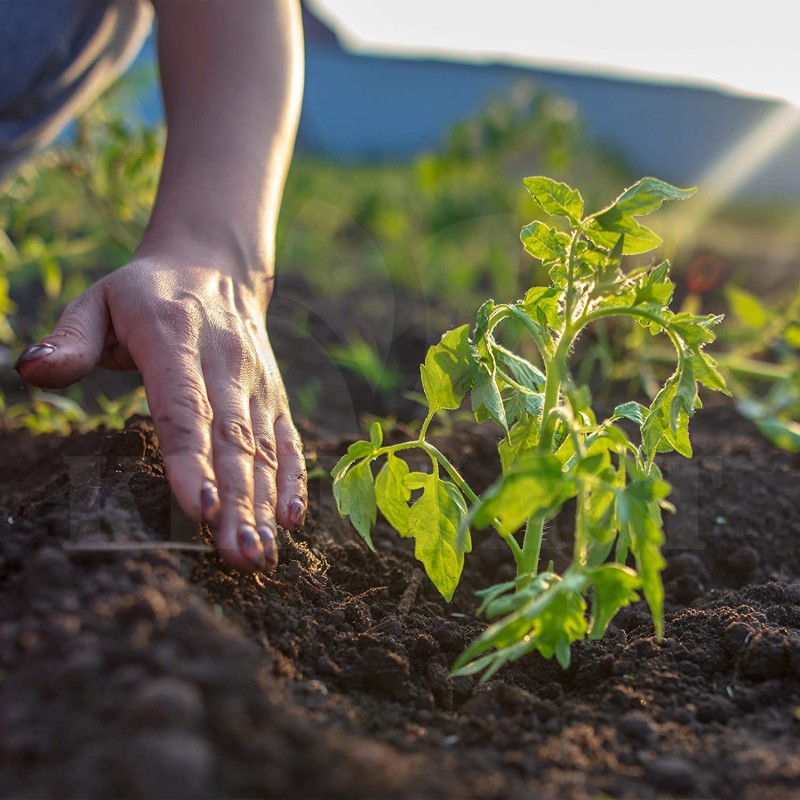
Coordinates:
(231, 73)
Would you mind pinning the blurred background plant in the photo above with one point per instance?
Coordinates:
(375, 259)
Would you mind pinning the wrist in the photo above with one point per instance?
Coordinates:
(244, 256)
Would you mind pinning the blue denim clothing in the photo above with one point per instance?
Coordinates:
(56, 56)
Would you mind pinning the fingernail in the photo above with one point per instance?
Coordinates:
(34, 352)
(251, 546)
(267, 534)
(297, 512)
(209, 501)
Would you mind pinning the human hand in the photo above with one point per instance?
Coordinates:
(198, 336)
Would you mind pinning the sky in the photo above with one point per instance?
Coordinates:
(751, 49)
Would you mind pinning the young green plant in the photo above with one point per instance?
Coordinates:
(553, 446)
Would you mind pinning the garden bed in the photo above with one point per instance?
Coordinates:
(157, 673)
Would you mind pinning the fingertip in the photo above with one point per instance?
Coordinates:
(239, 548)
(209, 502)
(32, 353)
(270, 544)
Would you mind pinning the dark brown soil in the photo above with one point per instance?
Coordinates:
(163, 674)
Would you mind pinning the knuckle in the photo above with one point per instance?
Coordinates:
(266, 452)
(237, 434)
(182, 426)
(175, 315)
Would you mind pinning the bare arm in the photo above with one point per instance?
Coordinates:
(189, 310)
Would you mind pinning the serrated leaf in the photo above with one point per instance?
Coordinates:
(613, 587)
(536, 485)
(392, 494)
(555, 198)
(543, 242)
(706, 371)
(633, 411)
(695, 330)
(599, 511)
(637, 241)
(549, 622)
(644, 197)
(641, 524)
(523, 372)
(523, 437)
(487, 403)
(435, 522)
(355, 497)
(543, 299)
(656, 288)
(446, 373)
(354, 452)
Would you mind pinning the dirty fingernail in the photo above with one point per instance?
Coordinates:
(209, 501)
(297, 512)
(34, 352)
(267, 534)
(251, 546)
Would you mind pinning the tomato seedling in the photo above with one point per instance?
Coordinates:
(553, 447)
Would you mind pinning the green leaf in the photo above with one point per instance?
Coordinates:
(354, 452)
(543, 242)
(392, 494)
(543, 299)
(644, 197)
(637, 241)
(435, 522)
(536, 485)
(656, 288)
(599, 511)
(416, 480)
(706, 371)
(447, 370)
(747, 308)
(555, 198)
(487, 403)
(632, 410)
(355, 497)
(549, 622)
(641, 526)
(613, 587)
(667, 424)
(376, 434)
(521, 369)
(522, 438)
(695, 330)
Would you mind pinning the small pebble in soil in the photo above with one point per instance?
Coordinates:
(765, 657)
(671, 774)
(636, 727)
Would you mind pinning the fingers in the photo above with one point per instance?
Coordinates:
(73, 348)
(182, 417)
(291, 479)
(234, 451)
(265, 470)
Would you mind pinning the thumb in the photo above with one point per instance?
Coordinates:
(73, 348)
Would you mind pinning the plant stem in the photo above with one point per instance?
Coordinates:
(531, 546)
(552, 389)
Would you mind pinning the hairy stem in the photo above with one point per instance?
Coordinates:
(531, 546)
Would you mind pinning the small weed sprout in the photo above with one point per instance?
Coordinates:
(553, 446)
